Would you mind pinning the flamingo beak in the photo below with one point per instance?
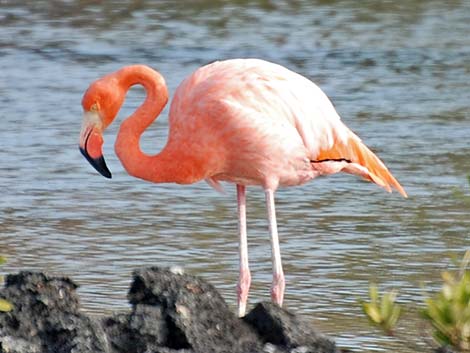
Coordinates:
(91, 142)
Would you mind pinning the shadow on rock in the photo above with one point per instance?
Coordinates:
(171, 312)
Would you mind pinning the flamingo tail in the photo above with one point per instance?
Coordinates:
(352, 156)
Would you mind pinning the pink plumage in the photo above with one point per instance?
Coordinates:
(245, 121)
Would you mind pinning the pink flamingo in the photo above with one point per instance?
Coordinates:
(246, 121)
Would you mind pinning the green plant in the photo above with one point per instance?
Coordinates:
(4, 304)
(449, 310)
(383, 311)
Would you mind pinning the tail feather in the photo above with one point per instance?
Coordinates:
(363, 162)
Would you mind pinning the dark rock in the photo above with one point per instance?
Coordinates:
(171, 313)
(46, 317)
(279, 327)
(150, 323)
(121, 337)
(144, 329)
(196, 314)
(10, 344)
(444, 349)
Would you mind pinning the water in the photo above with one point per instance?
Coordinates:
(398, 73)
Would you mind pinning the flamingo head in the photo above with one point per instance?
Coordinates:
(101, 103)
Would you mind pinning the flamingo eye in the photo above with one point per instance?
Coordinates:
(94, 107)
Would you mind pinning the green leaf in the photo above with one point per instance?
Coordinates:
(373, 293)
(372, 313)
(387, 304)
(443, 339)
(395, 316)
(5, 306)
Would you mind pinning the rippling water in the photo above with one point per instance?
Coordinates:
(398, 73)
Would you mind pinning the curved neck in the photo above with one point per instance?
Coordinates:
(157, 97)
(162, 167)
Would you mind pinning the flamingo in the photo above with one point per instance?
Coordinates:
(244, 121)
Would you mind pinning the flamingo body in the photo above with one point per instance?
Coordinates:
(245, 121)
(258, 123)
(242, 107)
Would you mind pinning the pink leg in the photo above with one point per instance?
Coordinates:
(278, 285)
(244, 280)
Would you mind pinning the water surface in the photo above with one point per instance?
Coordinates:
(397, 72)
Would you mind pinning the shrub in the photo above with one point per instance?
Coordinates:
(449, 310)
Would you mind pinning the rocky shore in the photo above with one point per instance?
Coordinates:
(171, 312)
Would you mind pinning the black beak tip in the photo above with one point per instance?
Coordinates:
(105, 171)
(98, 163)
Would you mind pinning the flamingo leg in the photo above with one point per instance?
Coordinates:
(244, 280)
(278, 284)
